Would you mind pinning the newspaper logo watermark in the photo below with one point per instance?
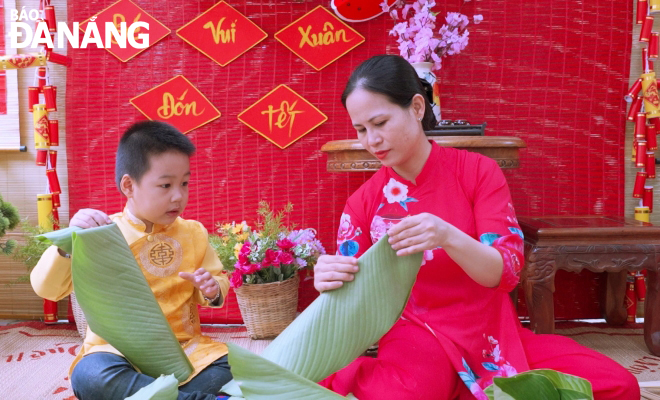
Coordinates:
(117, 33)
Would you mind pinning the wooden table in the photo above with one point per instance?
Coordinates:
(600, 244)
(350, 156)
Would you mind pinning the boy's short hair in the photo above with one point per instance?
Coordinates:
(144, 139)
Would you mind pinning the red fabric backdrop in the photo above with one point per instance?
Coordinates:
(552, 73)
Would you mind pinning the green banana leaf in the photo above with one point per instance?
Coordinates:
(263, 379)
(118, 303)
(339, 325)
(61, 238)
(540, 384)
(166, 387)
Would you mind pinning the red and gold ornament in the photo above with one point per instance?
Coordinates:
(635, 107)
(650, 164)
(640, 181)
(651, 98)
(631, 297)
(54, 132)
(642, 11)
(651, 138)
(647, 199)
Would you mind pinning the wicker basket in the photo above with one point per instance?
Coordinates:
(268, 308)
(78, 316)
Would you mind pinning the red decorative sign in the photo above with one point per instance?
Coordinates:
(282, 116)
(177, 102)
(221, 33)
(319, 38)
(128, 12)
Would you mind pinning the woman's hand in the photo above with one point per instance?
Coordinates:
(419, 232)
(90, 218)
(330, 272)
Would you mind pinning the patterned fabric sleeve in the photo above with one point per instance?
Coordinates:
(496, 221)
(353, 233)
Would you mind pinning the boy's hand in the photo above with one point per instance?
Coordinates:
(90, 218)
(203, 281)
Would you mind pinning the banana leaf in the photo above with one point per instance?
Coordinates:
(337, 327)
(166, 387)
(61, 238)
(117, 301)
(540, 384)
(263, 379)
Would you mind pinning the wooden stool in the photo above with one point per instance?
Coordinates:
(600, 244)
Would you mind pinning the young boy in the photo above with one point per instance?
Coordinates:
(152, 171)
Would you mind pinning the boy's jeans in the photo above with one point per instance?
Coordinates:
(100, 376)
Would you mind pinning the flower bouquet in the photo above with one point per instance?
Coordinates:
(424, 46)
(264, 265)
(418, 39)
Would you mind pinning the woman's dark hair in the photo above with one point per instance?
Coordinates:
(393, 77)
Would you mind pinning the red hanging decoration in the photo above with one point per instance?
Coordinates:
(640, 160)
(647, 65)
(651, 138)
(651, 98)
(640, 126)
(640, 286)
(49, 12)
(50, 94)
(40, 120)
(33, 96)
(647, 26)
(653, 46)
(635, 107)
(58, 58)
(642, 11)
(56, 201)
(52, 159)
(631, 297)
(54, 132)
(650, 164)
(42, 156)
(53, 181)
(56, 216)
(647, 200)
(50, 312)
(633, 91)
(41, 77)
(640, 180)
(46, 131)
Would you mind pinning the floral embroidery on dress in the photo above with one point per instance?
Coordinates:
(380, 226)
(511, 249)
(488, 238)
(517, 231)
(496, 363)
(496, 366)
(346, 246)
(397, 192)
(511, 217)
(470, 380)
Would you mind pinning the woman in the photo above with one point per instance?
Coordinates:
(459, 329)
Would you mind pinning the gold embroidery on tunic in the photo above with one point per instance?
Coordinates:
(162, 257)
(189, 318)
